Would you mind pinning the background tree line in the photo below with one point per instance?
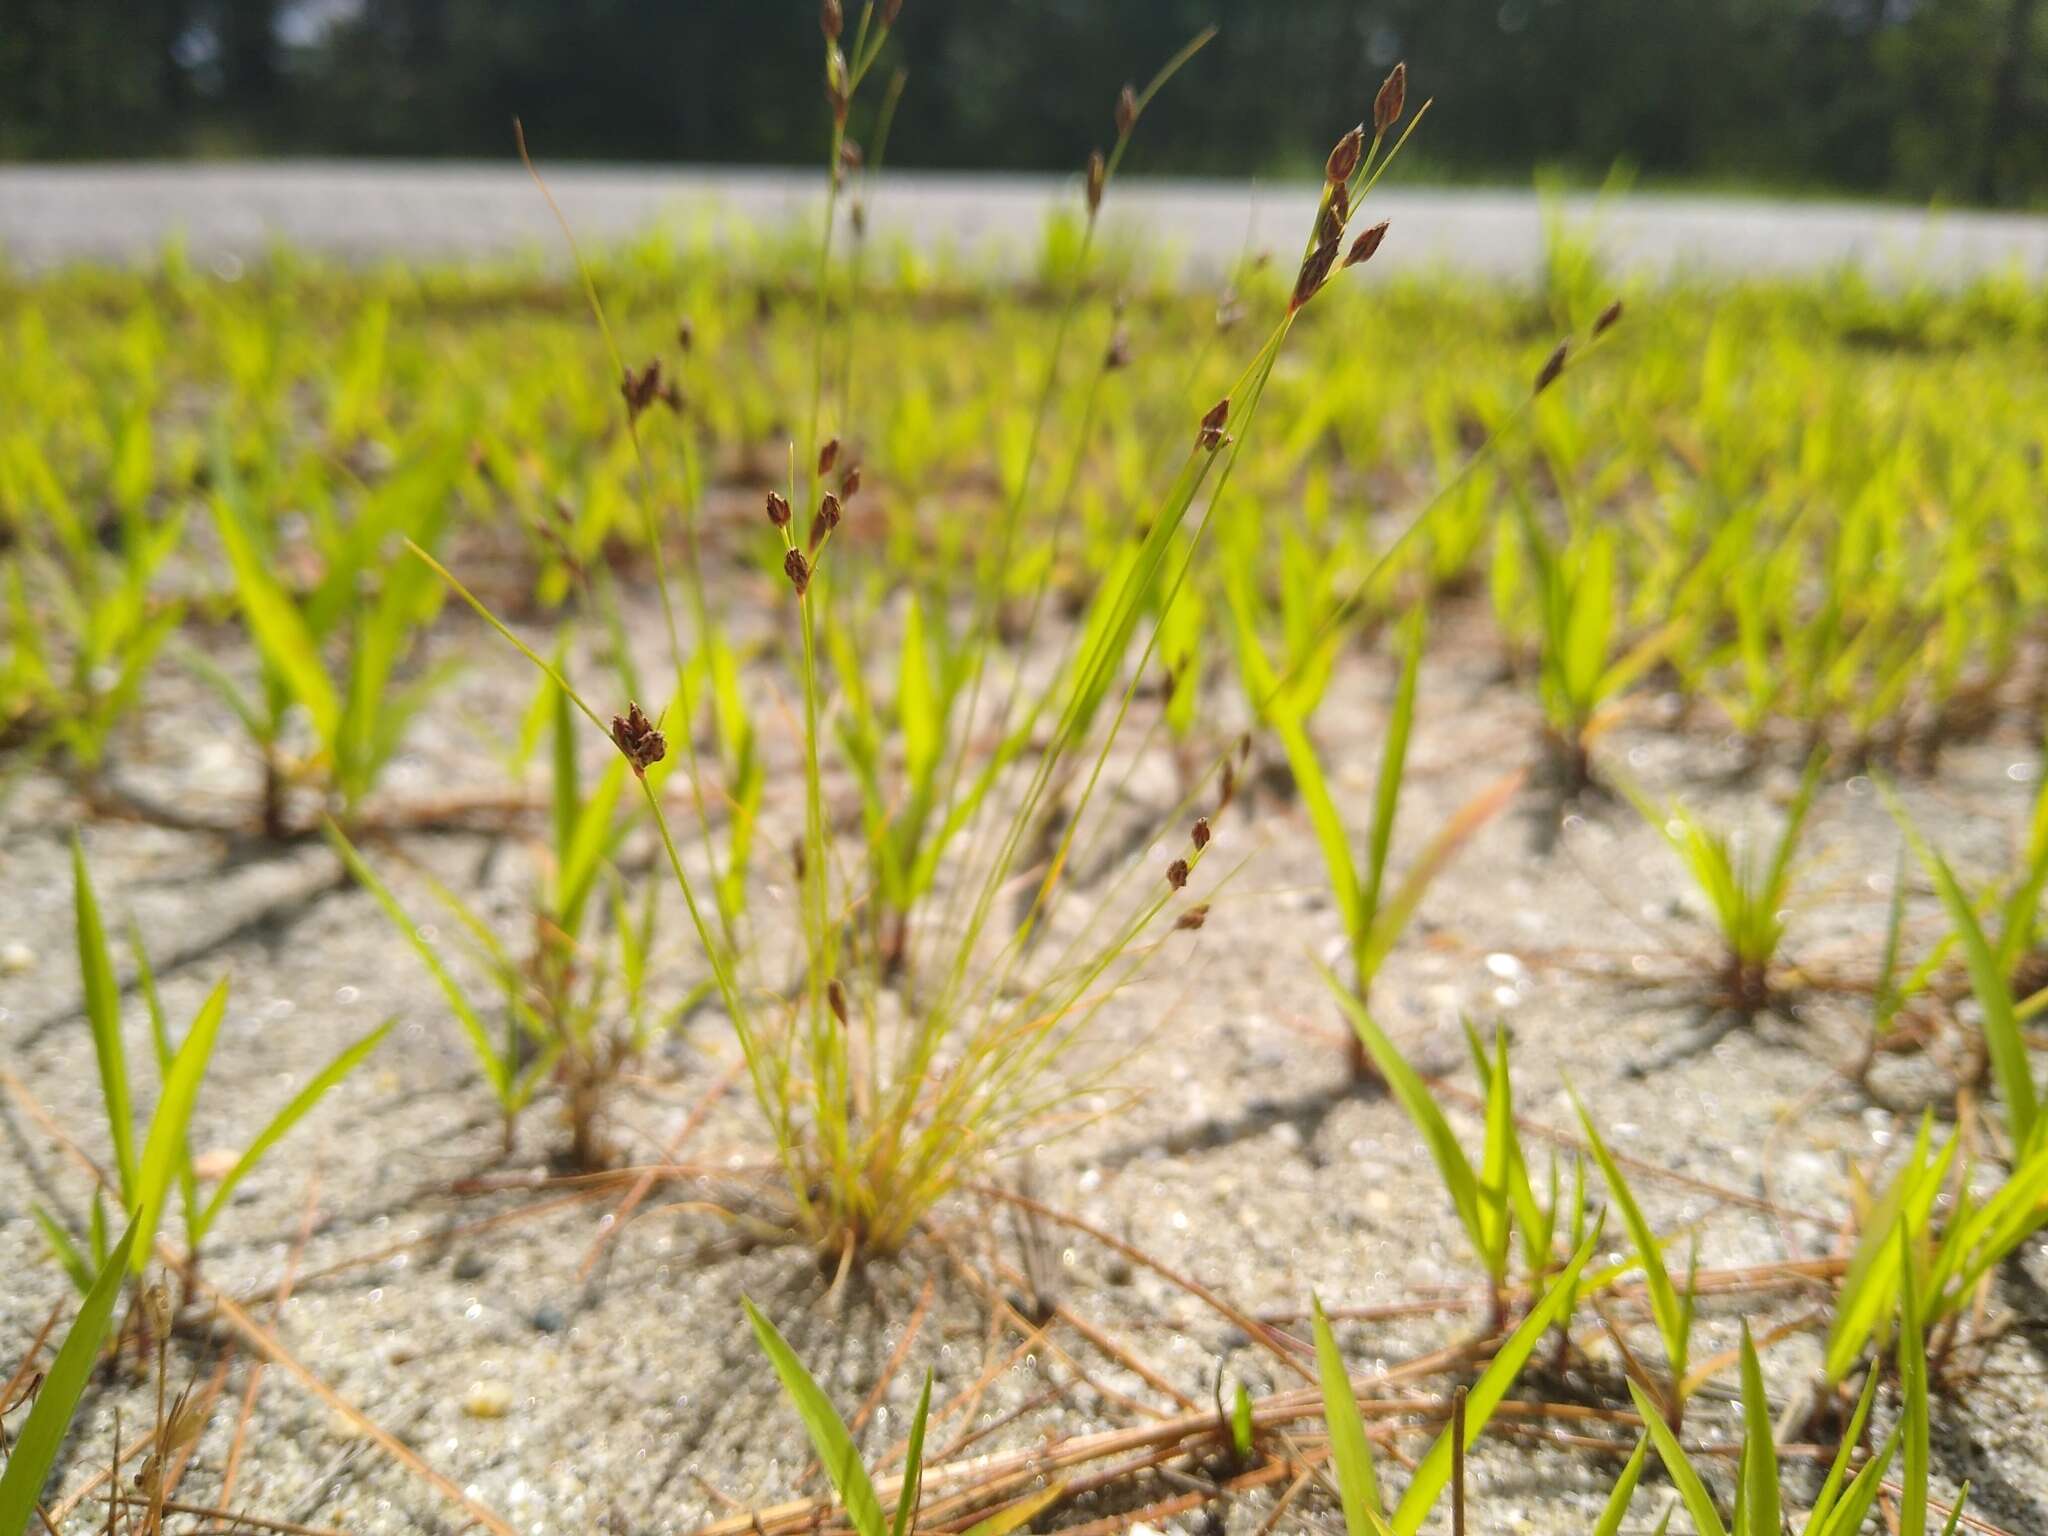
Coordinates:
(1920, 98)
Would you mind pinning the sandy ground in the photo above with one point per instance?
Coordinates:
(635, 1400)
(231, 214)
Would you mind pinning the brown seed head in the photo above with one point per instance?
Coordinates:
(1119, 353)
(849, 483)
(1097, 171)
(1345, 157)
(1229, 791)
(838, 85)
(1315, 270)
(1193, 918)
(1177, 873)
(831, 20)
(1126, 110)
(829, 509)
(797, 570)
(1201, 832)
(778, 509)
(156, 1308)
(1366, 244)
(1607, 318)
(1386, 107)
(1553, 365)
(835, 994)
(828, 456)
(891, 9)
(1210, 434)
(638, 740)
(641, 389)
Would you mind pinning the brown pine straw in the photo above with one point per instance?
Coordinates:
(255, 1381)
(649, 1176)
(233, 1518)
(1284, 1348)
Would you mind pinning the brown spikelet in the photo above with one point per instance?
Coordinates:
(1201, 833)
(1393, 96)
(638, 740)
(838, 85)
(849, 483)
(798, 570)
(828, 456)
(891, 9)
(835, 994)
(1366, 244)
(1193, 918)
(1118, 354)
(1607, 318)
(778, 509)
(831, 20)
(1177, 873)
(1210, 433)
(1345, 157)
(1229, 791)
(1315, 270)
(641, 389)
(1098, 172)
(1126, 110)
(1553, 365)
(826, 520)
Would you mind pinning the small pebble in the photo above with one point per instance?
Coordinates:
(549, 1319)
(487, 1400)
(16, 957)
(470, 1265)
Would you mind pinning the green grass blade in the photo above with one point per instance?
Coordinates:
(103, 1012)
(68, 1256)
(42, 1433)
(1665, 1303)
(277, 626)
(1698, 1503)
(1434, 1470)
(1830, 1488)
(1415, 1097)
(160, 1038)
(1624, 1490)
(913, 1463)
(1358, 1485)
(282, 1122)
(1913, 1393)
(1393, 762)
(1760, 1512)
(1849, 1515)
(497, 1067)
(2002, 1036)
(836, 1450)
(165, 1147)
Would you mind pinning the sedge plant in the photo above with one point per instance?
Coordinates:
(574, 998)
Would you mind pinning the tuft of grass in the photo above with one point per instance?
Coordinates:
(1749, 897)
(143, 1178)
